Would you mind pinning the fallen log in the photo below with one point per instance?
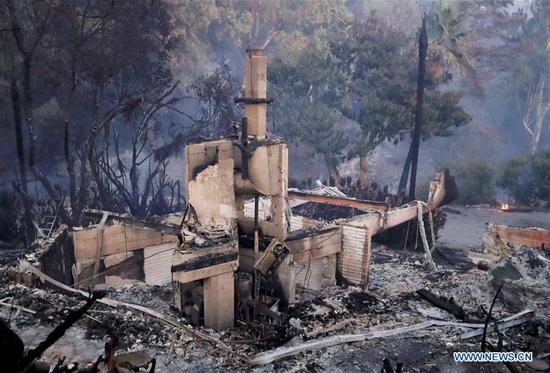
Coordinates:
(448, 305)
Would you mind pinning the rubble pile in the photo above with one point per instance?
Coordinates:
(391, 301)
(523, 275)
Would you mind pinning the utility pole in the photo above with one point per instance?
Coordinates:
(418, 118)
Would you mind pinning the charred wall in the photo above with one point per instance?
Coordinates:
(58, 260)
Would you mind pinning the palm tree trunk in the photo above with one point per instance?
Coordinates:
(422, 50)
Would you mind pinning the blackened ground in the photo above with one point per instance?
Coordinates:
(395, 275)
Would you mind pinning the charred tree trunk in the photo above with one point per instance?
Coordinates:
(16, 106)
(363, 171)
(332, 169)
(27, 57)
(69, 158)
(28, 106)
(422, 49)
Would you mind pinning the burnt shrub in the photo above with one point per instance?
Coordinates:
(527, 179)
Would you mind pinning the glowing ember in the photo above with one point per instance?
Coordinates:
(504, 206)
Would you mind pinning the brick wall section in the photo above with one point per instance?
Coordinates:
(355, 256)
(296, 223)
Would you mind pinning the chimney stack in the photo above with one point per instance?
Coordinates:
(255, 100)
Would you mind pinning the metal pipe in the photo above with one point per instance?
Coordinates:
(256, 256)
(244, 142)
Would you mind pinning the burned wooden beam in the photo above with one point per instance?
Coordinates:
(518, 236)
(338, 201)
(116, 239)
(448, 305)
(206, 261)
(167, 228)
(307, 244)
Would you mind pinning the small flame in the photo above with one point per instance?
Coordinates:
(504, 206)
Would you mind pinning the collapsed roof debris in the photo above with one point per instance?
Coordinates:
(240, 279)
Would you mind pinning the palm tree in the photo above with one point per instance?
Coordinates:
(448, 51)
(451, 45)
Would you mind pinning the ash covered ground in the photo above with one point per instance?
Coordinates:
(392, 301)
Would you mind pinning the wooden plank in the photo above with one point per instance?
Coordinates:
(518, 236)
(203, 273)
(309, 222)
(316, 246)
(219, 301)
(170, 224)
(379, 222)
(183, 256)
(112, 260)
(338, 201)
(117, 239)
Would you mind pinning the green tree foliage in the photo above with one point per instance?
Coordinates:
(378, 88)
(527, 179)
(450, 45)
(367, 75)
(218, 31)
(302, 111)
(214, 93)
(475, 179)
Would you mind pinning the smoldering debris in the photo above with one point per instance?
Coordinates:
(283, 338)
(391, 301)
